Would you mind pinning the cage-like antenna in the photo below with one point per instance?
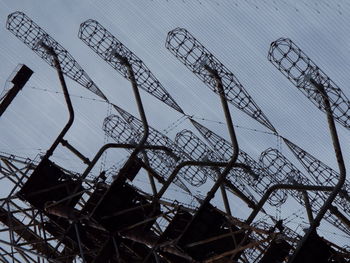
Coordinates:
(194, 175)
(198, 150)
(260, 180)
(286, 172)
(121, 132)
(109, 48)
(322, 174)
(34, 37)
(196, 57)
(292, 62)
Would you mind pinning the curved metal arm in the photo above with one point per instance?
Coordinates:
(275, 187)
(121, 145)
(115, 145)
(67, 98)
(124, 61)
(193, 163)
(221, 91)
(173, 175)
(179, 167)
(228, 166)
(342, 171)
(232, 133)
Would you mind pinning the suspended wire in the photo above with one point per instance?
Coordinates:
(70, 95)
(188, 205)
(176, 123)
(105, 140)
(296, 214)
(237, 126)
(279, 143)
(318, 229)
(7, 150)
(278, 212)
(333, 233)
(204, 119)
(279, 138)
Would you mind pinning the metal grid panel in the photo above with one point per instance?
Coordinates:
(34, 37)
(195, 57)
(289, 59)
(109, 48)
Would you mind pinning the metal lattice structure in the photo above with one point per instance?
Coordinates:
(51, 214)
(322, 174)
(194, 175)
(160, 162)
(37, 234)
(195, 57)
(285, 172)
(34, 234)
(259, 181)
(34, 37)
(198, 150)
(292, 62)
(108, 47)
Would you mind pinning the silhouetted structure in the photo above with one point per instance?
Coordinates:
(55, 215)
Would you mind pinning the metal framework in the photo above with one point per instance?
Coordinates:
(34, 36)
(198, 150)
(259, 181)
(34, 238)
(324, 95)
(102, 42)
(194, 175)
(159, 161)
(50, 214)
(292, 62)
(195, 56)
(285, 172)
(321, 174)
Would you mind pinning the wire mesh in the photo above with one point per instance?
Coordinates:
(282, 170)
(102, 42)
(195, 56)
(116, 128)
(192, 174)
(274, 167)
(285, 172)
(259, 181)
(121, 131)
(321, 174)
(289, 59)
(199, 151)
(34, 37)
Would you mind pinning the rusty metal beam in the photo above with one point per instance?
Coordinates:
(341, 166)
(19, 80)
(27, 234)
(236, 250)
(335, 211)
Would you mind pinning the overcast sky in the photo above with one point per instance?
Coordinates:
(237, 32)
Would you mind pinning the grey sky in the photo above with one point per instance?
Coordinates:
(237, 32)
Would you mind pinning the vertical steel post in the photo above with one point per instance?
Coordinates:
(66, 97)
(308, 206)
(140, 108)
(19, 80)
(342, 171)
